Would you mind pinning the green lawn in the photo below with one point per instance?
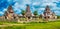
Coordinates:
(35, 25)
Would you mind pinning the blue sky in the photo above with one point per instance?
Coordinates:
(38, 5)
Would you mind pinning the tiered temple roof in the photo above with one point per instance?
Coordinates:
(10, 10)
(9, 14)
(48, 14)
(28, 12)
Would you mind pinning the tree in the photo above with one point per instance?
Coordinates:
(58, 17)
(35, 13)
(23, 12)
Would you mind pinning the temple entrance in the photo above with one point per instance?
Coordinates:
(28, 17)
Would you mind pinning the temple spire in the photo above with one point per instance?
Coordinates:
(28, 8)
(48, 14)
(10, 9)
(47, 8)
(28, 12)
(9, 13)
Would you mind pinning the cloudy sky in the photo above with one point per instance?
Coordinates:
(38, 5)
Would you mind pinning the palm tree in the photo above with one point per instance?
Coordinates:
(23, 12)
(35, 13)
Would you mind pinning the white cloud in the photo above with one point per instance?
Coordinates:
(1, 13)
(57, 12)
(16, 6)
(36, 3)
(27, 1)
(41, 8)
(21, 4)
(5, 10)
(55, 8)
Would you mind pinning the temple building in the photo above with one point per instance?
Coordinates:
(28, 13)
(48, 14)
(9, 14)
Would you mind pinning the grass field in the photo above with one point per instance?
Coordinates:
(34, 25)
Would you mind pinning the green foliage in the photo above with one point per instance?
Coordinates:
(14, 27)
(34, 25)
(23, 12)
(35, 13)
(58, 17)
(1, 23)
